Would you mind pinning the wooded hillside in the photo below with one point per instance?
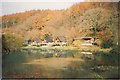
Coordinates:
(93, 19)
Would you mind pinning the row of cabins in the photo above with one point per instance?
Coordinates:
(48, 41)
(59, 41)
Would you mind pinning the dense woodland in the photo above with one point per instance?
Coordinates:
(98, 20)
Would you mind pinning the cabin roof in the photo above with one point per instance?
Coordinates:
(62, 38)
(84, 38)
(38, 39)
(48, 39)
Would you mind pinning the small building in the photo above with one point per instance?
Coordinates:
(48, 41)
(38, 40)
(85, 40)
(61, 40)
(27, 41)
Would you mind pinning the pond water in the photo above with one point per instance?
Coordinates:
(47, 53)
(43, 63)
(38, 63)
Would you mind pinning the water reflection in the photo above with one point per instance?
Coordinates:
(41, 63)
(51, 52)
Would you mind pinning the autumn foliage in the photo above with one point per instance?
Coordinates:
(76, 21)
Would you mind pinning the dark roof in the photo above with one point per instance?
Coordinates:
(86, 38)
(38, 40)
(83, 38)
(61, 38)
(48, 39)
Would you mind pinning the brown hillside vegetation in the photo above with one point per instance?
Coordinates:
(78, 42)
(75, 21)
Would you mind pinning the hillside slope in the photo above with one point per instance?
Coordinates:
(76, 21)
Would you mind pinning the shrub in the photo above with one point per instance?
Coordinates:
(10, 41)
(114, 50)
(77, 43)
